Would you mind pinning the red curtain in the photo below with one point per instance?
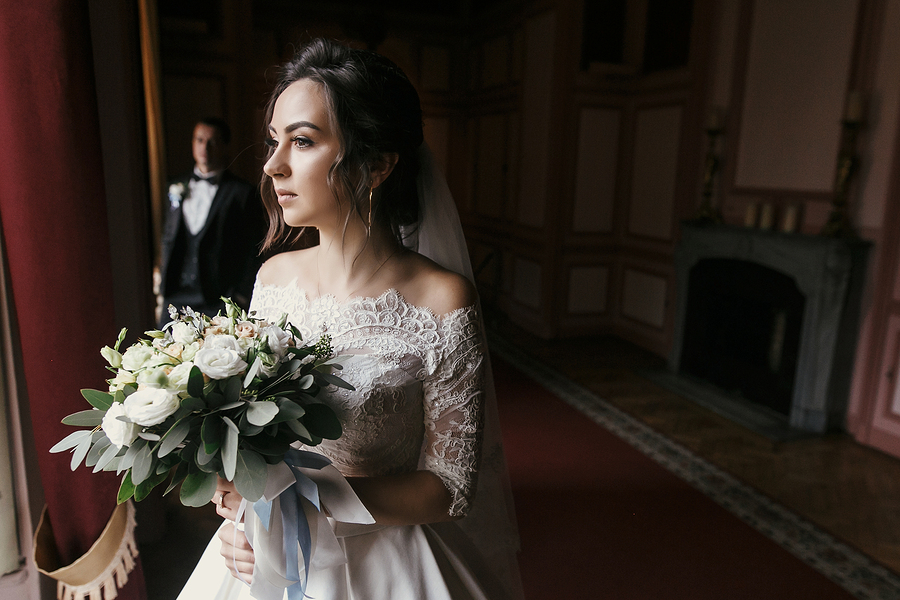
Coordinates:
(53, 214)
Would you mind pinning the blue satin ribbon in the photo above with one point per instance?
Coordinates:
(293, 518)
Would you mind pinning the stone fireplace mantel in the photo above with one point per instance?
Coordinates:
(830, 274)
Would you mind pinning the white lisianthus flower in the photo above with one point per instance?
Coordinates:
(155, 377)
(184, 333)
(139, 356)
(113, 357)
(277, 338)
(190, 350)
(151, 406)
(121, 379)
(119, 432)
(178, 377)
(219, 363)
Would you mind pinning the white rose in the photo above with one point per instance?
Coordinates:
(121, 379)
(219, 326)
(119, 432)
(138, 356)
(178, 377)
(246, 329)
(155, 377)
(151, 406)
(277, 339)
(219, 363)
(222, 342)
(184, 333)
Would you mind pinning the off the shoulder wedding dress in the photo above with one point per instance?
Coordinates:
(418, 404)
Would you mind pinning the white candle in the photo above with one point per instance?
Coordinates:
(750, 214)
(766, 216)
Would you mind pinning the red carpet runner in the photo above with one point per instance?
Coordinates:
(599, 520)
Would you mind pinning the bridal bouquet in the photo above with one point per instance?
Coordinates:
(205, 396)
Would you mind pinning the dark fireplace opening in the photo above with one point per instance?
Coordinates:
(742, 330)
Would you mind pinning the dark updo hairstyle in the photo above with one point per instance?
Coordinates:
(375, 110)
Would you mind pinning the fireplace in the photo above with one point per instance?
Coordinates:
(770, 319)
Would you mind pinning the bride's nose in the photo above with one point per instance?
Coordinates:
(276, 165)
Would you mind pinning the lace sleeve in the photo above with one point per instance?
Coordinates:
(454, 407)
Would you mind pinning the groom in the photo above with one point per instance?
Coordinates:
(213, 229)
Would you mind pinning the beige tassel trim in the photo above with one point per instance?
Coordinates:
(103, 569)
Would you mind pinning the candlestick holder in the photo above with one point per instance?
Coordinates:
(838, 224)
(707, 213)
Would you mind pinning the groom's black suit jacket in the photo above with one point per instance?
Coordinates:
(229, 242)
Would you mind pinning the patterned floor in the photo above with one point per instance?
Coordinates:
(852, 570)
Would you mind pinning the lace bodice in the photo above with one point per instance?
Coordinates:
(418, 401)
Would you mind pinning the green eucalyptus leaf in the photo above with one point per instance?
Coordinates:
(143, 489)
(211, 433)
(143, 465)
(93, 454)
(230, 405)
(126, 489)
(229, 449)
(150, 437)
(174, 437)
(325, 379)
(195, 382)
(108, 455)
(71, 440)
(246, 428)
(252, 371)
(98, 399)
(128, 459)
(321, 421)
(81, 451)
(119, 396)
(298, 428)
(193, 404)
(250, 475)
(129, 389)
(203, 457)
(178, 475)
(288, 410)
(305, 382)
(261, 413)
(198, 488)
(85, 418)
(232, 389)
(215, 399)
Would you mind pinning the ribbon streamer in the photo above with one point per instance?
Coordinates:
(287, 524)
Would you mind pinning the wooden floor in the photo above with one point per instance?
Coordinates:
(850, 491)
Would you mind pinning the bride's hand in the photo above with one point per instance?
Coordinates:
(227, 499)
(237, 552)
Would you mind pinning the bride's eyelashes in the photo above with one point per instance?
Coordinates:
(299, 141)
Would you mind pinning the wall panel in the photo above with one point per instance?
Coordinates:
(595, 178)
(656, 151)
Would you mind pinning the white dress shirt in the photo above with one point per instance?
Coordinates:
(195, 206)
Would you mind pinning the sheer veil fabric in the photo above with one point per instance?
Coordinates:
(491, 522)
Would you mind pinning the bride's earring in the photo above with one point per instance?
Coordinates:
(371, 189)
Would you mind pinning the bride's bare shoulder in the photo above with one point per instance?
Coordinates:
(285, 267)
(430, 285)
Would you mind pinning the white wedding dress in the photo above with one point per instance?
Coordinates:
(418, 404)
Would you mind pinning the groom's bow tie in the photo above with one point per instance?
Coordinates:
(211, 179)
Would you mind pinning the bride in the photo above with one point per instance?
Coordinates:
(420, 446)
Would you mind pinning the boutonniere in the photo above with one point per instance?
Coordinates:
(176, 193)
